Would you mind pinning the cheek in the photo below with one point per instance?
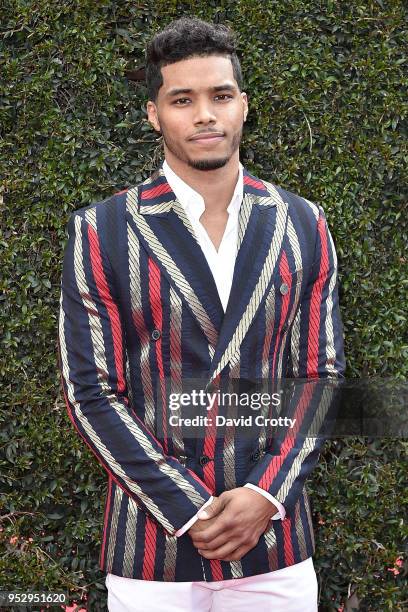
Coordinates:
(176, 126)
(234, 117)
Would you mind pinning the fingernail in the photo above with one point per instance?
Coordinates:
(202, 514)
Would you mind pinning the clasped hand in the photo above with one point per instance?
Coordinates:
(235, 520)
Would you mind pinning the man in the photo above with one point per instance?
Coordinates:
(201, 271)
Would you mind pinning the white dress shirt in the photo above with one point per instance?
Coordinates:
(221, 264)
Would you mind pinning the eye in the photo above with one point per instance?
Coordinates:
(181, 101)
(224, 96)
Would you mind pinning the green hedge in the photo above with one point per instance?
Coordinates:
(328, 103)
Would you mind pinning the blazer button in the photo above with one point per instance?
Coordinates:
(204, 459)
(156, 334)
(255, 456)
(283, 288)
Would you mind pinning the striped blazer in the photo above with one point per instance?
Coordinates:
(139, 312)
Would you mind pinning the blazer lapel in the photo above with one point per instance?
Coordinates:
(262, 225)
(159, 221)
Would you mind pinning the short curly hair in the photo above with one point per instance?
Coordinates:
(184, 38)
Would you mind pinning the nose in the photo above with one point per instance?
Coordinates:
(204, 113)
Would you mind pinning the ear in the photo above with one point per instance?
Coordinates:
(244, 98)
(152, 117)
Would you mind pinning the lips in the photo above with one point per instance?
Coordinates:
(207, 136)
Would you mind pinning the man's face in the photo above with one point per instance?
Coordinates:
(199, 111)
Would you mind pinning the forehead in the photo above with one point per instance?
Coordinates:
(198, 73)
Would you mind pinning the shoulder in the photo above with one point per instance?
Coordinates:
(301, 209)
(113, 208)
(100, 209)
(295, 200)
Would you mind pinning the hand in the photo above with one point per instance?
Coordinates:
(236, 519)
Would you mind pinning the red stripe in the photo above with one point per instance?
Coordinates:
(288, 443)
(155, 192)
(248, 180)
(113, 312)
(198, 479)
(105, 524)
(157, 312)
(287, 542)
(315, 305)
(149, 550)
(216, 569)
(209, 442)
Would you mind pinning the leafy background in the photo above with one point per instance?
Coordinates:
(327, 86)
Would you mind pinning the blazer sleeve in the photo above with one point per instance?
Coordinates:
(316, 352)
(92, 362)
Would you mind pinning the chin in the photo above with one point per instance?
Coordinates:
(208, 164)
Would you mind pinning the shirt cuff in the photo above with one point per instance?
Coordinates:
(281, 510)
(193, 519)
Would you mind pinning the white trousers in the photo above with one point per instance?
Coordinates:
(291, 589)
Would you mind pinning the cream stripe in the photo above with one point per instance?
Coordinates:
(130, 539)
(236, 569)
(153, 209)
(181, 213)
(295, 246)
(269, 324)
(243, 216)
(309, 516)
(271, 545)
(299, 530)
(313, 207)
(294, 344)
(170, 558)
(138, 319)
(176, 363)
(117, 503)
(330, 348)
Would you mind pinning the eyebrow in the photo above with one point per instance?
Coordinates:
(178, 91)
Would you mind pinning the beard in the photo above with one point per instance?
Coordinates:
(201, 164)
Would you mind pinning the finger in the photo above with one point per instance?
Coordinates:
(220, 552)
(224, 538)
(219, 527)
(212, 510)
(237, 554)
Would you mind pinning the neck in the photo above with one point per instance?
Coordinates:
(215, 186)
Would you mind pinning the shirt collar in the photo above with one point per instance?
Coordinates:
(192, 201)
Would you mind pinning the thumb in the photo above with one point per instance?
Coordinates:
(212, 510)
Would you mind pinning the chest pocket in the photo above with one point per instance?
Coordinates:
(282, 300)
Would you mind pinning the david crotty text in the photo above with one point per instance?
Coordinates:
(242, 421)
